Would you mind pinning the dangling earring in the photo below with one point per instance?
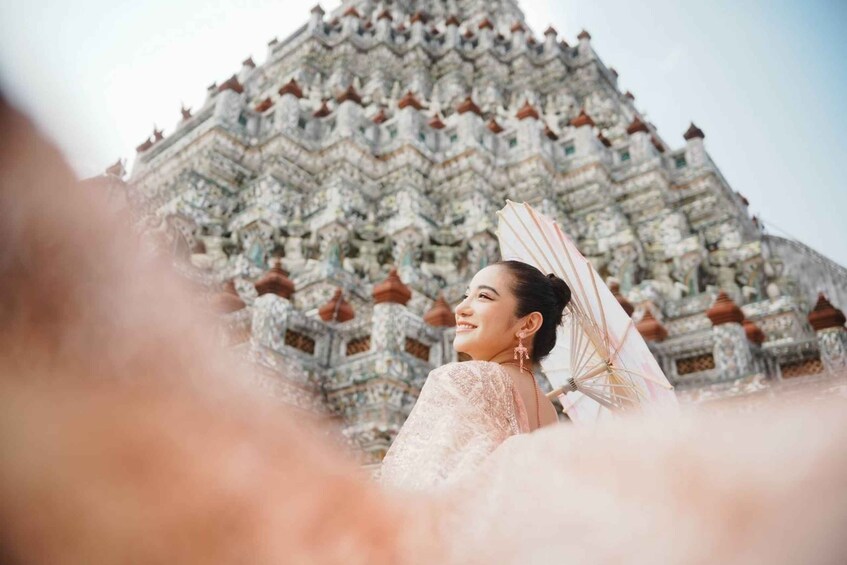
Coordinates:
(521, 352)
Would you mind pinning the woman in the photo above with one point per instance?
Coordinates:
(506, 322)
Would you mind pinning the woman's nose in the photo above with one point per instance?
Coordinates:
(463, 308)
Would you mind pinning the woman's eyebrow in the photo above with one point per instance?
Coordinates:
(494, 290)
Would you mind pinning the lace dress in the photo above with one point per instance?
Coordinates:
(464, 412)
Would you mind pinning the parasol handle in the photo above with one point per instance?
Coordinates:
(569, 386)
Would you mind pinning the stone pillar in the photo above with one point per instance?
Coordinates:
(733, 358)
(695, 152)
(828, 323)
(316, 19)
(288, 108)
(390, 298)
(585, 142)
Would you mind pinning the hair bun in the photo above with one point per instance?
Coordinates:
(561, 290)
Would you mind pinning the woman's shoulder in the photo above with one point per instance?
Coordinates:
(472, 374)
(470, 368)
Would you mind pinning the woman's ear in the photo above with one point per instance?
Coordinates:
(532, 323)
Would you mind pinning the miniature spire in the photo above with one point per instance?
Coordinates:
(440, 315)
(351, 11)
(551, 31)
(337, 309)
(452, 21)
(650, 328)
(468, 105)
(275, 281)
(494, 127)
(384, 15)
(291, 87)
(517, 27)
(724, 311)
(323, 111)
(264, 104)
(824, 315)
(248, 62)
(419, 16)
(551, 135)
(582, 119)
(486, 24)
(392, 290)
(147, 144)
(615, 287)
(630, 95)
(584, 35)
(231, 84)
(637, 126)
(602, 139)
(409, 100)
(351, 95)
(527, 111)
(380, 116)
(436, 122)
(186, 112)
(693, 132)
(116, 169)
(753, 332)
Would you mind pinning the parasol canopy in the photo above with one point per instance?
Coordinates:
(600, 364)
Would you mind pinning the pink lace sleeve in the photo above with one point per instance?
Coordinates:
(464, 411)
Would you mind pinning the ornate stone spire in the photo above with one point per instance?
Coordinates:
(584, 35)
(724, 311)
(824, 315)
(440, 315)
(275, 281)
(392, 289)
(650, 328)
(337, 309)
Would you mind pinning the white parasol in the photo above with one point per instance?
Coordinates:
(600, 364)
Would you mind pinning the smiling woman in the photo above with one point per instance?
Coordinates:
(466, 410)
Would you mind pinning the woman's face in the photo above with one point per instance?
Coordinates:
(485, 319)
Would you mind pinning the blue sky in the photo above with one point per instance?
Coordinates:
(765, 80)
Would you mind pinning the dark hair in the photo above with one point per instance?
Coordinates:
(538, 293)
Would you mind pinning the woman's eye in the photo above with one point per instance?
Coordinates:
(485, 296)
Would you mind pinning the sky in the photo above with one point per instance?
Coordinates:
(765, 80)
